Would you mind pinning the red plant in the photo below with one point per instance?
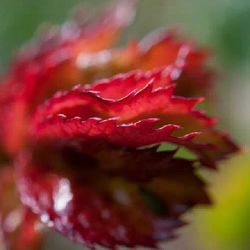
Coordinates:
(92, 162)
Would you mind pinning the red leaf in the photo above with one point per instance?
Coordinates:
(142, 117)
(20, 228)
(79, 52)
(50, 64)
(92, 171)
(163, 48)
(87, 194)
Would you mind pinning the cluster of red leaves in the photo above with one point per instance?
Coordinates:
(87, 159)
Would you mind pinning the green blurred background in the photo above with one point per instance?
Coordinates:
(224, 27)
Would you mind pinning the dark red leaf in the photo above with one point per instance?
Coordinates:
(99, 193)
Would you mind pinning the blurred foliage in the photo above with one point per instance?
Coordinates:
(223, 24)
(227, 223)
(232, 37)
